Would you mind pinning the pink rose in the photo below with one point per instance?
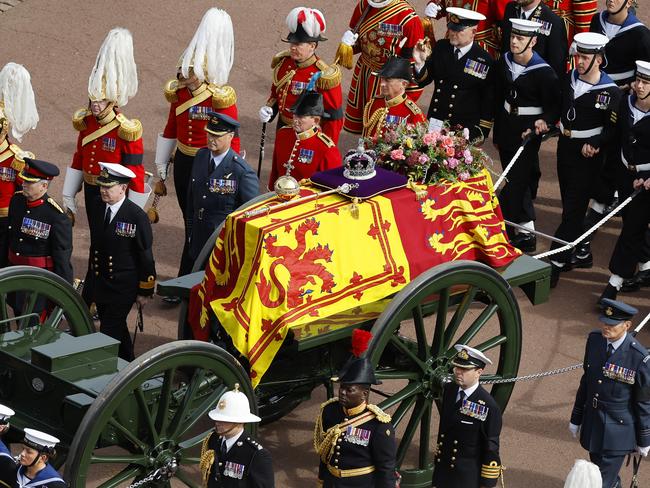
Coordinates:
(464, 176)
(423, 159)
(450, 151)
(447, 141)
(429, 138)
(397, 154)
(453, 162)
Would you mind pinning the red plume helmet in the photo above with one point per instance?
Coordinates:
(360, 340)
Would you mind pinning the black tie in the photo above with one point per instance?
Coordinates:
(223, 450)
(457, 53)
(107, 217)
(610, 349)
(212, 165)
(461, 397)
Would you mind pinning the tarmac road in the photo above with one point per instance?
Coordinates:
(57, 40)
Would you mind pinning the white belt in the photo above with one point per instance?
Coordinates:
(523, 110)
(635, 167)
(621, 76)
(580, 134)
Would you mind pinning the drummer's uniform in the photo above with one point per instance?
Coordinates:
(40, 235)
(586, 118)
(245, 465)
(188, 116)
(467, 452)
(464, 87)
(552, 38)
(380, 34)
(356, 448)
(303, 154)
(381, 113)
(522, 99)
(121, 267)
(11, 164)
(48, 477)
(8, 467)
(576, 14)
(290, 79)
(112, 139)
(612, 405)
(632, 146)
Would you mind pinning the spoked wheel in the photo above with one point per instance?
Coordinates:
(153, 416)
(32, 296)
(470, 304)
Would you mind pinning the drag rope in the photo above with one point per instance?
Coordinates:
(532, 376)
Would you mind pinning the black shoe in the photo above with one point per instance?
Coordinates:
(611, 206)
(641, 279)
(525, 242)
(610, 292)
(556, 270)
(582, 260)
(172, 300)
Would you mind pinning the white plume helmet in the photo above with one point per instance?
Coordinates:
(17, 95)
(311, 19)
(114, 76)
(212, 50)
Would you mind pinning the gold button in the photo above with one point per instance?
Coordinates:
(442, 436)
(451, 105)
(453, 458)
(189, 139)
(92, 152)
(455, 86)
(455, 442)
(438, 90)
(448, 115)
(20, 240)
(92, 159)
(96, 273)
(454, 450)
(596, 394)
(600, 381)
(452, 466)
(437, 460)
(435, 100)
(94, 146)
(189, 133)
(17, 254)
(453, 96)
(28, 211)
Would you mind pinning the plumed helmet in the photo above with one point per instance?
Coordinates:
(17, 99)
(305, 25)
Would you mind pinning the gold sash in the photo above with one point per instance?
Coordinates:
(100, 132)
(204, 95)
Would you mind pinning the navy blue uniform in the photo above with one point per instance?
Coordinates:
(246, 465)
(48, 477)
(8, 467)
(613, 403)
(212, 195)
(366, 441)
(468, 441)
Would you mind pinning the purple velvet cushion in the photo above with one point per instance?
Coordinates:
(382, 182)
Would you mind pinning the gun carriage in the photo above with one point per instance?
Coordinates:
(121, 422)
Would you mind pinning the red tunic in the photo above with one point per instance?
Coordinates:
(188, 114)
(115, 139)
(307, 153)
(380, 113)
(11, 164)
(380, 34)
(576, 14)
(290, 79)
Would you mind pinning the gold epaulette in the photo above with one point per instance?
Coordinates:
(413, 107)
(277, 59)
(222, 96)
(331, 400)
(382, 416)
(52, 202)
(171, 87)
(79, 119)
(330, 77)
(206, 460)
(19, 157)
(130, 129)
(326, 139)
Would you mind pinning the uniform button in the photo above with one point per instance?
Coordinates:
(29, 211)
(96, 252)
(438, 90)
(442, 436)
(620, 421)
(453, 458)
(455, 442)
(220, 464)
(94, 146)
(452, 466)
(451, 105)
(600, 381)
(453, 96)
(189, 139)
(455, 86)
(20, 240)
(92, 152)
(435, 100)
(596, 395)
(454, 450)
(90, 165)
(96, 273)
(17, 254)
(92, 159)
(203, 196)
(339, 440)
(449, 115)
(437, 460)
(441, 82)
(189, 133)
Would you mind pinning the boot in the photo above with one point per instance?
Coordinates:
(582, 257)
(525, 242)
(610, 292)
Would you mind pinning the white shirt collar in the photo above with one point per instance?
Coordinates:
(218, 158)
(468, 391)
(465, 50)
(231, 442)
(617, 343)
(115, 208)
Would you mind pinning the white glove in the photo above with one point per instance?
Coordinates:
(643, 450)
(69, 204)
(164, 149)
(573, 428)
(349, 38)
(266, 113)
(432, 10)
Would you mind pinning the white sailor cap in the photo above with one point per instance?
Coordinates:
(525, 27)
(469, 358)
(40, 440)
(461, 18)
(643, 70)
(5, 413)
(590, 42)
(113, 173)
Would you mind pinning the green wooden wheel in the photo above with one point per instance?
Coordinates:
(153, 414)
(44, 298)
(468, 303)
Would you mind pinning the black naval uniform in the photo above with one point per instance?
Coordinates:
(536, 90)
(468, 440)
(246, 465)
(633, 150)
(612, 404)
(586, 119)
(551, 41)
(214, 193)
(366, 443)
(464, 88)
(629, 44)
(8, 467)
(40, 235)
(120, 267)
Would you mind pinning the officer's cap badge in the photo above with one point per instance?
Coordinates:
(222, 404)
(609, 312)
(462, 354)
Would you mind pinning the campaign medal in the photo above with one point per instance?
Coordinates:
(35, 228)
(602, 100)
(474, 410)
(7, 174)
(109, 144)
(297, 87)
(200, 112)
(355, 435)
(305, 156)
(222, 186)
(476, 68)
(233, 470)
(393, 119)
(619, 373)
(125, 229)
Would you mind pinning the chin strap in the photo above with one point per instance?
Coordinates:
(624, 5)
(525, 47)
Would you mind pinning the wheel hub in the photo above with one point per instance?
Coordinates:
(164, 457)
